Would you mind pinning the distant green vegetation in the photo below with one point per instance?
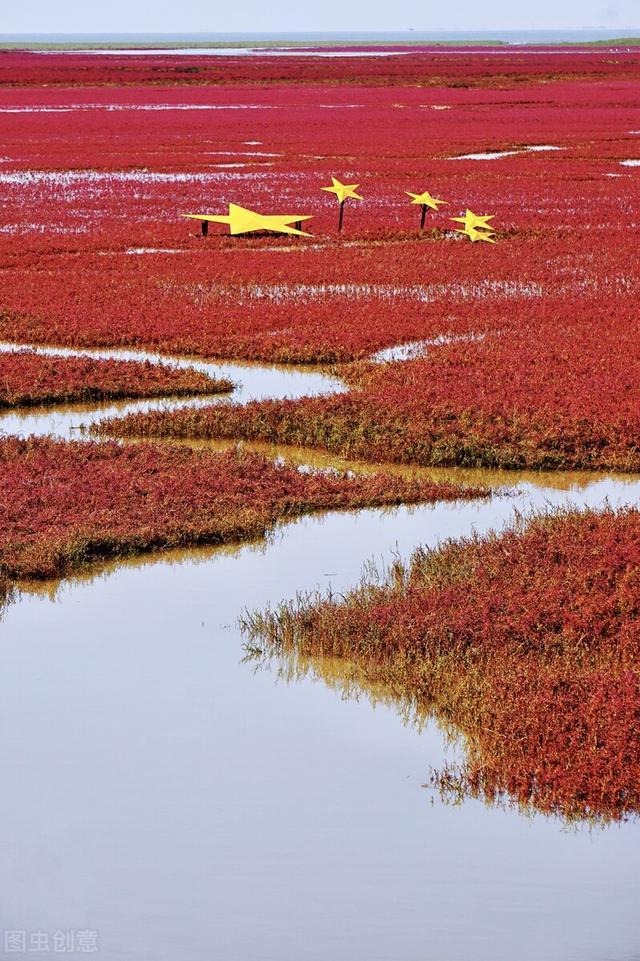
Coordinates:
(250, 44)
(617, 41)
(270, 44)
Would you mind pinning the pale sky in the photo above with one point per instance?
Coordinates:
(217, 16)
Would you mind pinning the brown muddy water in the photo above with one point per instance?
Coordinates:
(179, 803)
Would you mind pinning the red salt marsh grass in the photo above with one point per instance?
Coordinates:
(469, 66)
(325, 302)
(28, 378)
(526, 643)
(93, 250)
(63, 504)
(543, 396)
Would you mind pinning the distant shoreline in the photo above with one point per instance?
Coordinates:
(131, 45)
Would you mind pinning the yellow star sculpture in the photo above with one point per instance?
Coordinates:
(474, 234)
(343, 191)
(426, 200)
(473, 221)
(243, 221)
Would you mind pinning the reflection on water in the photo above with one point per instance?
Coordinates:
(7, 594)
(54, 587)
(162, 792)
(503, 767)
(344, 678)
(568, 481)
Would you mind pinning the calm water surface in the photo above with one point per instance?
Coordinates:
(183, 804)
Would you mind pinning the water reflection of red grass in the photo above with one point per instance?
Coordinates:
(528, 643)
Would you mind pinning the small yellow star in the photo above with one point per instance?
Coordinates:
(473, 221)
(426, 199)
(343, 191)
(474, 234)
(243, 221)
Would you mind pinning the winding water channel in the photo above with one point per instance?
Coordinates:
(161, 792)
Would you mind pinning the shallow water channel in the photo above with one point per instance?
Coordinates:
(183, 805)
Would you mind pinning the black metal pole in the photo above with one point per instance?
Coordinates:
(204, 227)
(424, 214)
(341, 215)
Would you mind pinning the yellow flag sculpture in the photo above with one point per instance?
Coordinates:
(476, 227)
(474, 235)
(425, 200)
(343, 192)
(241, 220)
(244, 221)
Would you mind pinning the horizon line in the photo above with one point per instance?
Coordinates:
(409, 30)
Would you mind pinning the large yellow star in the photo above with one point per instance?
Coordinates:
(474, 234)
(473, 221)
(243, 221)
(426, 199)
(343, 191)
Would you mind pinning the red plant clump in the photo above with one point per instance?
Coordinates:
(63, 504)
(29, 378)
(565, 399)
(528, 643)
